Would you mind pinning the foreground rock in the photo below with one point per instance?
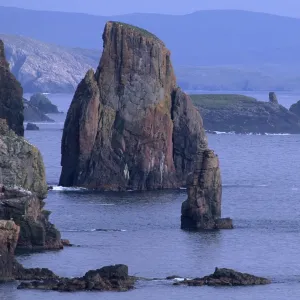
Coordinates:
(242, 114)
(111, 278)
(11, 105)
(9, 233)
(22, 173)
(26, 209)
(31, 126)
(129, 126)
(33, 114)
(225, 277)
(202, 209)
(40, 101)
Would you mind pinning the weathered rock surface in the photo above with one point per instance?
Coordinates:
(226, 277)
(202, 209)
(33, 114)
(242, 114)
(9, 233)
(11, 105)
(129, 125)
(26, 209)
(31, 126)
(42, 67)
(21, 165)
(295, 109)
(40, 101)
(273, 98)
(110, 278)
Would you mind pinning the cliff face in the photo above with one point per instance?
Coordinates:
(9, 233)
(22, 174)
(129, 126)
(11, 104)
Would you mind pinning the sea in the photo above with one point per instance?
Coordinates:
(261, 193)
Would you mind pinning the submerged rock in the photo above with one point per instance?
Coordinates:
(9, 233)
(31, 126)
(129, 126)
(225, 277)
(202, 209)
(110, 278)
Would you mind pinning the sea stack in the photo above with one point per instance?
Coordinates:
(129, 126)
(202, 209)
(273, 98)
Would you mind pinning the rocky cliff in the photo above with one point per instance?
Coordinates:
(129, 126)
(22, 190)
(22, 174)
(242, 114)
(295, 109)
(42, 67)
(9, 233)
(11, 104)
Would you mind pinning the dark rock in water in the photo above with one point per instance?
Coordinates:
(26, 209)
(226, 277)
(11, 92)
(21, 273)
(50, 187)
(66, 243)
(129, 126)
(202, 209)
(273, 98)
(31, 126)
(173, 277)
(40, 101)
(242, 114)
(111, 278)
(33, 114)
(9, 233)
(295, 109)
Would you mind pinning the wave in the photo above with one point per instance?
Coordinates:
(250, 133)
(66, 189)
(245, 185)
(94, 230)
(45, 123)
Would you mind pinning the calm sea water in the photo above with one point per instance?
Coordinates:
(261, 177)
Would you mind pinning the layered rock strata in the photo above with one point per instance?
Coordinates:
(11, 104)
(129, 126)
(202, 209)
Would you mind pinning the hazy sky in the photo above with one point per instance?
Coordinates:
(113, 7)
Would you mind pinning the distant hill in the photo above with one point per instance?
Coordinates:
(211, 50)
(42, 67)
(202, 38)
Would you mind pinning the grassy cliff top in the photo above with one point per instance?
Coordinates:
(220, 100)
(139, 30)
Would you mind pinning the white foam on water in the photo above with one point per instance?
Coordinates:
(66, 189)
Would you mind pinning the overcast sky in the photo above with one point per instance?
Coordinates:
(114, 7)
